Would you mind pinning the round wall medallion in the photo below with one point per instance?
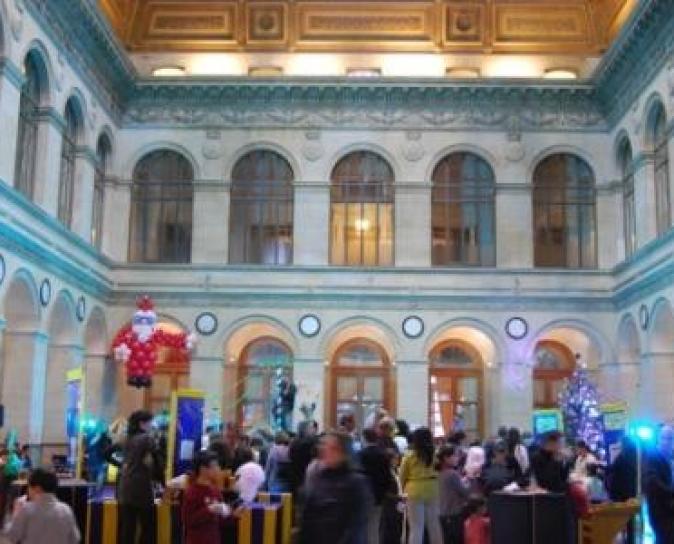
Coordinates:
(309, 325)
(644, 318)
(3, 269)
(413, 326)
(517, 328)
(81, 310)
(206, 323)
(45, 292)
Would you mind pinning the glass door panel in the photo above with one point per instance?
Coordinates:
(347, 388)
(454, 402)
(373, 389)
(360, 394)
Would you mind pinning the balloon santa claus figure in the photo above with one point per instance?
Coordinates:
(136, 345)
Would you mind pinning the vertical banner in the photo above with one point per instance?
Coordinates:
(185, 430)
(74, 403)
(615, 426)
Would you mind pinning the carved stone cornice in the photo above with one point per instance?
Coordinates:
(317, 103)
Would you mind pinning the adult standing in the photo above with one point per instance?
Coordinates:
(419, 480)
(517, 450)
(658, 486)
(375, 464)
(622, 479)
(337, 501)
(141, 468)
(548, 466)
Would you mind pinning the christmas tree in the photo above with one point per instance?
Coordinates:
(579, 403)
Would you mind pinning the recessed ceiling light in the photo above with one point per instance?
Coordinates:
(265, 71)
(169, 71)
(560, 73)
(460, 72)
(363, 72)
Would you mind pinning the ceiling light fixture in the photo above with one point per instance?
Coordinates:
(169, 71)
(560, 73)
(462, 73)
(363, 72)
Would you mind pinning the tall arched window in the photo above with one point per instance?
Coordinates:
(462, 223)
(554, 363)
(161, 209)
(455, 389)
(103, 151)
(565, 232)
(26, 145)
(260, 364)
(68, 155)
(261, 210)
(360, 381)
(361, 205)
(629, 213)
(658, 137)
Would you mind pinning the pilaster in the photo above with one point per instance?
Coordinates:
(514, 226)
(83, 197)
(412, 391)
(48, 161)
(11, 80)
(311, 237)
(644, 199)
(413, 224)
(210, 223)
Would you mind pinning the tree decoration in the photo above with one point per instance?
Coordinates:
(136, 345)
(580, 406)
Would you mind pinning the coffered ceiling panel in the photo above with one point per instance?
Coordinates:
(551, 26)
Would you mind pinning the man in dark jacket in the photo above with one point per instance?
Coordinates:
(301, 452)
(376, 467)
(658, 487)
(548, 467)
(336, 505)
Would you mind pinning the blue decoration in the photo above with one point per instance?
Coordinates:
(187, 429)
(284, 402)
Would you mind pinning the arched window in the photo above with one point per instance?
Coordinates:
(553, 364)
(27, 133)
(360, 381)
(455, 389)
(68, 156)
(658, 137)
(361, 205)
(565, 233)
(261, 210)
(161, 209)
(260, 365)
(103, 151)
(629, 213)
(462, 223)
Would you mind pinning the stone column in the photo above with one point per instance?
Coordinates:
(83, 197)
(48, 162)
(206, 375)
(514, 226)
(309, 376)
(610, 226)
(644, 199)
(210, 223)
(102, 386)
(512, 395)
(620, 382)
(11, 80)
(230, 391)
(311, 218)
(657, 382)
(413, 224)
(116, 212)
(61, 359)
(412, 391)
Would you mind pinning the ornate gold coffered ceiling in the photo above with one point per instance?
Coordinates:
(584, 27)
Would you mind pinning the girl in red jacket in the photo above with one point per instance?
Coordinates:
(202, 505)
(477, 526)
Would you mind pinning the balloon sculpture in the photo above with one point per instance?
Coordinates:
(136, 344)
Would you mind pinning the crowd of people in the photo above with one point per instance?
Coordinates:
(382, 485)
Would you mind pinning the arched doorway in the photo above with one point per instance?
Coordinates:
(456, 389)
(172, 372)
(360, 381)
(260, 364)
(554, 363)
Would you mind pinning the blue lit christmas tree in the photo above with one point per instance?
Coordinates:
(580, 406)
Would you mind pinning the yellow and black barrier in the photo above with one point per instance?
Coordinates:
(286, 513)
(259, 524)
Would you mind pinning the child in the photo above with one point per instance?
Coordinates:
(453, 495)
(476, 527)
(43, 518)
(203, 506)
(249, 476)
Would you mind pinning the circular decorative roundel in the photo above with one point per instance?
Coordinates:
(3, 269)
(206, 323)
(517, 328)
(309, 325)
(644, 318)
(81, 310)
(413, 326)
(45, 292)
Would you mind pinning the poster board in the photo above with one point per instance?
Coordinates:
(73, 415)
(546, 421)
(185, 430)
(615, 417)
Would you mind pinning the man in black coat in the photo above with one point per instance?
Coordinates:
(658, 486)
(548, 467)
(376, 467)
(337, 501)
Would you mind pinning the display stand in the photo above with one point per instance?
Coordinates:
(185, 430)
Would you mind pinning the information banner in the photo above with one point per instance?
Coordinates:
(547, 420)
(185, 430)
(615, 424)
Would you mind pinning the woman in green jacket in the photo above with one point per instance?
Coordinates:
(419, 481)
